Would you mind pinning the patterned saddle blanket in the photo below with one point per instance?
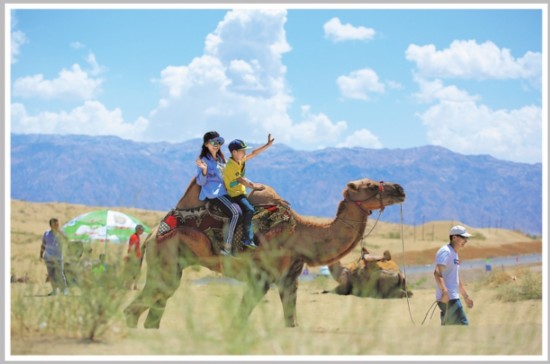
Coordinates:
(213, 222)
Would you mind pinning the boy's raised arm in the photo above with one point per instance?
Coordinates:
(257, 151)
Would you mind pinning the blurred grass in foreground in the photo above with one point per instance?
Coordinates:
(198, 318)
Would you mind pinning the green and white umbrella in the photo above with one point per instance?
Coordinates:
(106, 226)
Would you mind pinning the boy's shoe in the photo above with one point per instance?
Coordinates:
(226, 251)
(65, 292)
(250, 244)
(53, 293)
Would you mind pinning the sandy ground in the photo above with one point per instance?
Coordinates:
(196, 321)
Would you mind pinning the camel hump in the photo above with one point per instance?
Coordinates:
(267, 196)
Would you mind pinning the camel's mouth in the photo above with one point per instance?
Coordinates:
(375, 195)
(394, 196)
(393, 202)
(395, 192)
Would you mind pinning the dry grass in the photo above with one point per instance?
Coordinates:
(197, 317)
(515, 285)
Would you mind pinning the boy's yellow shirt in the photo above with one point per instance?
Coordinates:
(233, 170)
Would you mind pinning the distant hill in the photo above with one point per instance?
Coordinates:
(477, 190)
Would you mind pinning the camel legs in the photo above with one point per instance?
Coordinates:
(160, 294)
(288, 292)
(135, 309)
(255, 290)
(163, 278)
(153, 297)
(288, 289)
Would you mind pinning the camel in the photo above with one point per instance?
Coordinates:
(279, 258)
(370, 276)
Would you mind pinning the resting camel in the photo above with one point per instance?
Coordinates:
(279, 258)
(370, 276)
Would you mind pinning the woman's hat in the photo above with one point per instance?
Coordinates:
(213, 135)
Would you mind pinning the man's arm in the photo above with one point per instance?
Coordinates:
(464, 293)
(438, 275)
(43, 246)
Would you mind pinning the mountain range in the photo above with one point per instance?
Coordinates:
(476, 190)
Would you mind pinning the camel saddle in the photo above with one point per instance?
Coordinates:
(212, 221)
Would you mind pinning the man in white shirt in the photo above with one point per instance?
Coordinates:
(449, 287)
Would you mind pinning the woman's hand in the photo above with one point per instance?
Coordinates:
(200, 163)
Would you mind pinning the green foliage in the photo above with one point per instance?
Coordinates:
(418, 283)
(478, 236)
(102, 293)
(85, 313)
(393, 235)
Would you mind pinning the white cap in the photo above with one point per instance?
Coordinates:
(460, 230)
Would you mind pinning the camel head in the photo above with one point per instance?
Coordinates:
(372, 195)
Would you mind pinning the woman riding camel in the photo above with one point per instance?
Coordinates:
(211, 164)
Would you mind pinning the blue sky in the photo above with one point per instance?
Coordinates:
(468, 79)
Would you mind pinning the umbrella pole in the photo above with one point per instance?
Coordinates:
(106, 236)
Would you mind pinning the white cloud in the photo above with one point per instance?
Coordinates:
(361, 138)
(92, 118)
(457, 120)
(77, 45)
(394, 85)
(96, 69)
(435, 90)
(338, 32)
(468, 128)
(18, 38)
(315, 130)
(238, 88)
(245, 75)
(358, 84)
(73, 84)
(470, 60)
(265, 44)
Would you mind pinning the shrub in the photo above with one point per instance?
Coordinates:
(518, 285)
(393, 235)
(86, 313)
(478, 236)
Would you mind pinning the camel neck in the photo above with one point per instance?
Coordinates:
(329, 241)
